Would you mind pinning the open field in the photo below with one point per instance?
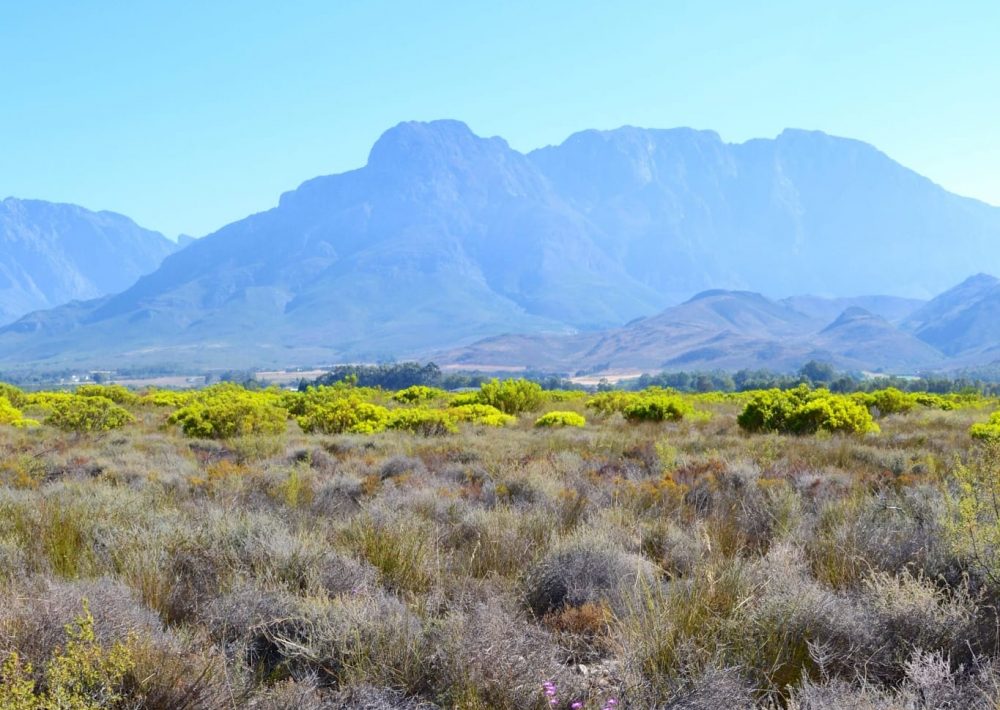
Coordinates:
(443, 562)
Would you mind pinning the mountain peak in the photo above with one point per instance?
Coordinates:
(852, 315)
(411, 142)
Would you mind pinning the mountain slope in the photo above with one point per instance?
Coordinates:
(893, 308)
(54, 253)
(727, 330)
(803, 213)
(963, 320)
(874, 343)
(445, 238)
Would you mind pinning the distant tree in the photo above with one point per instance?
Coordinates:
(817, 371)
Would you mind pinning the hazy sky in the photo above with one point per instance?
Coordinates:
(188, 115)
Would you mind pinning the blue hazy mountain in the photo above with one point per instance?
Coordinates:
(445, 238)
(54, 253)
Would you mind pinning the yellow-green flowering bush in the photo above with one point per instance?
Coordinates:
(608, 403)
(559, 419)
(87, 414)
(9, 414)
(481, 414)
(15, 395)
(418, 393)
(887, 401)
(82, 675)
(343, 414)
(227, 412)
(428, 422)
(512, 396)
(988, 430)
(804, 411)
(116, 393)
(657, 408)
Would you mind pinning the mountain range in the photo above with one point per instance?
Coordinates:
(444, 240)
(54, 253)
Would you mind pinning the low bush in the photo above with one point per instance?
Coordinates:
(88, 414)
(418, 393)
(116, 393)
(512, 396)
(481, 414)
(560, 419)
(228, 413)
(988, 431)
(657, 408)
(805, 411)
(427, 422)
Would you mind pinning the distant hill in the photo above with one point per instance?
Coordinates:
(962, 321)
(893, 308)
(726, 330)
(445, 238)
(54, 253)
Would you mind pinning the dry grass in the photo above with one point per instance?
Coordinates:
(682, 565)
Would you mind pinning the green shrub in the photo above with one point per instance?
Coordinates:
(608, 403)
(428, 422)
(657, 408)
(887, 401)
(418, 393)
(512, 396)
(565, 395)
(804, 411)
(116, 393)
(82, 675)
(88, 414)
(463, 398)
(16, 396)
(833, 414)
(481, 414)
(987, 431)
(9, 414)
(551, 419)
(228, 412)
(343, 414)
(168, 398)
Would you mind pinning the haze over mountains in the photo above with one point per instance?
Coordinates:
(53, 253)
(445, 238)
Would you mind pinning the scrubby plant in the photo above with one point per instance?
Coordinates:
(344, 414)
(561, 419)
(88, 414)
(804, 411)
(12, 416)
(657, 408)
(16, 396)
(481, 414)
(512, 396)
(832, 414)
(887, 401)
(614, 401)
(418, 393)
(175, 399)
(226, 413)
(428, 422)
(988, 431)
(83, 675)
(116, 393)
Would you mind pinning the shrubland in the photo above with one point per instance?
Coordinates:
(499, 547)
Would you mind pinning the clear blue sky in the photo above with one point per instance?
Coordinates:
(186, 115)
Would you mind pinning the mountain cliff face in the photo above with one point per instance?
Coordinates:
(54, 253)
(445, 238)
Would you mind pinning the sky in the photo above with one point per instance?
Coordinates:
(187, 115)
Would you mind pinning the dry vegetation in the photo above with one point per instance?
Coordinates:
(628, 564)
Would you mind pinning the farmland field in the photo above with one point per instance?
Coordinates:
(502, 548)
